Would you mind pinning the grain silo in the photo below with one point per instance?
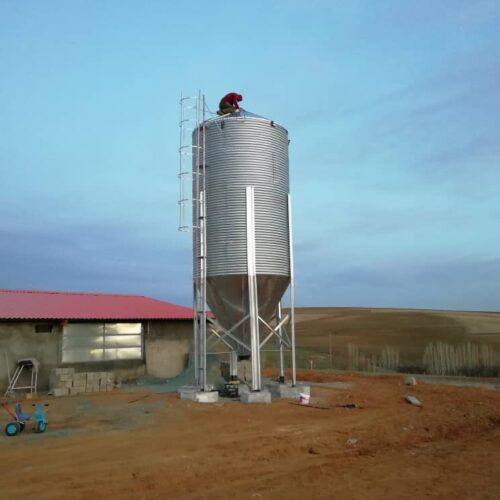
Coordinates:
(242, 252)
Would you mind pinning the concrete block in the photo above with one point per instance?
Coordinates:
(89, 388)
(58, 382)
(243, 388)
(79, 379)
(187, 392)
(207, 397)
(263, 396)
(110, 387)
(286, 391)
(76, 390)
(60, 391)
(192, 393)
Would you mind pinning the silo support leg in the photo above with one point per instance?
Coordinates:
(254, 334)
(252, 290)
(292, 292)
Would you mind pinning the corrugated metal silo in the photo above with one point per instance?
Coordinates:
(242, 151)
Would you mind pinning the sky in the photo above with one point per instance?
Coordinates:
(393, 111)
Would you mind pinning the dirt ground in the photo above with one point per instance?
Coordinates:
(155, 446)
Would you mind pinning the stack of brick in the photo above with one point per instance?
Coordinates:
(65, 382)
(61, 381)
(79, 384)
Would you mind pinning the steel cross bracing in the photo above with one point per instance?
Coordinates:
(219, 333)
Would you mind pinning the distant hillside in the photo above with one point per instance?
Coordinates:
(350, 332)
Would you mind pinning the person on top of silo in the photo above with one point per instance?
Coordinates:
(229, 104)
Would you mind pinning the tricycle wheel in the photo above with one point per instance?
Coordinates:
(40, 427)
(12, 428)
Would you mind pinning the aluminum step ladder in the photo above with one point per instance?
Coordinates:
(28, 364)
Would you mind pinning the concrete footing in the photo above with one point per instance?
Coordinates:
(272, 389)
(250, 397)
(192, 393)
(286, 391)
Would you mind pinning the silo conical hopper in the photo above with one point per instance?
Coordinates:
(240, 151)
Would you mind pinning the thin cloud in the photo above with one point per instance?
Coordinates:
(93, 258)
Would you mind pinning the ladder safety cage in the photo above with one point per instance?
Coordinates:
(192, 167)
(190, 117)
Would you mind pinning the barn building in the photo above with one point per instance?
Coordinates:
(130, 335)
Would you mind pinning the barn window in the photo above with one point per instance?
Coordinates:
(87, 342)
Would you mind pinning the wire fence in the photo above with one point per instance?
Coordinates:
(438, 358)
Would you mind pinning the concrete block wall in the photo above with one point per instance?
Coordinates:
(19, 340)
(166, 348)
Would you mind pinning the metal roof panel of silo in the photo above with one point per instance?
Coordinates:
(250, 115)
(246, 114)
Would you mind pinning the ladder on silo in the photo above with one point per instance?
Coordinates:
(192, 162)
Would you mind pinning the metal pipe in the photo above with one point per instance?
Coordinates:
(271, 329)
(217, 325)
(292, 292)
(277, 327)
(203, 235)
(233, 364)
(220, 338)
(230, 335)
(195, 337)
(203, 318)
(252, 290)
(197, 300)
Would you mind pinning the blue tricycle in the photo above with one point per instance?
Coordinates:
(20, 418)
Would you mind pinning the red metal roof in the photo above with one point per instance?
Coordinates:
(32, 304)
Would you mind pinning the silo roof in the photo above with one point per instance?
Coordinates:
(244, 114)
